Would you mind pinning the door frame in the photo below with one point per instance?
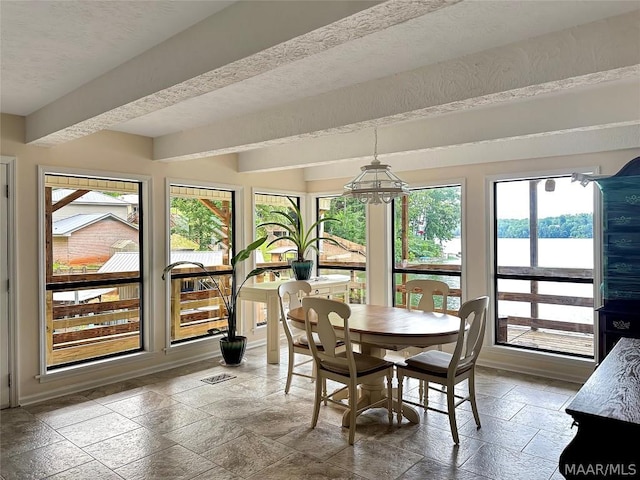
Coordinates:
(12, 244)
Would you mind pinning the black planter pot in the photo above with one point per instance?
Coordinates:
(233, 350)
(302, 270)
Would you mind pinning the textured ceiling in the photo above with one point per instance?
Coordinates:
(49, 48)
(267, 78)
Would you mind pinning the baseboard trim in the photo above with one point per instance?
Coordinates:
(502, 358)
(559, 367)
(103, 379)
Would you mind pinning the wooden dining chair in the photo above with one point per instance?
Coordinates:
(290, 294)
(449, 369)
(348, 368)
(426, 290)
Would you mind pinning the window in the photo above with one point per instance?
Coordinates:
(543, 236)
(349, 256)
(201, 227)
(427, 241)
(279, 255)
(93, 263)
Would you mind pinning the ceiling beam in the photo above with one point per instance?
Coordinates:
(215, 53)
(576, 57)
(571, 142)
(613, 103)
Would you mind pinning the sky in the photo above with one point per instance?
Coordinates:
(567, 198)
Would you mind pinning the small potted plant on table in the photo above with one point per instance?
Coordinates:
(304, 239)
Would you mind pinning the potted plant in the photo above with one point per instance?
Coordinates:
(232, 345)
(304, 239)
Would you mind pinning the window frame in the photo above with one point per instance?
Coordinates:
(455, 182)
(279, 193)
(237, 234)
(261, 327)
(492, 280)
(145, 286)
(346, 268)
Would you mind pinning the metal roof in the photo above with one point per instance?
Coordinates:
(93, 197)
(68, 225)
(207, 258)
(130, 198)
(78, 296)
(122, 262)
(129, 261)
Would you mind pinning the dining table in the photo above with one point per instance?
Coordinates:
(378, 328)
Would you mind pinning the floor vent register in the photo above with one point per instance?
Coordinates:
(218, 378)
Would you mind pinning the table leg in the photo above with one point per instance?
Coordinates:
(408, 412)
(371, 393)
(367, 398)
(273, 329)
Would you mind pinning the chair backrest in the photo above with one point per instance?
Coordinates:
(427, 289)
(290, 293)
(328, 312)
(470, 340)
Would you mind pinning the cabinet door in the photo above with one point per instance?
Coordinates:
(623, 325)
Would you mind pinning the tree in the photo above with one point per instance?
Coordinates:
(434, 218)
(564, 226)
(350, 216)
(434, 213)
(200, 224)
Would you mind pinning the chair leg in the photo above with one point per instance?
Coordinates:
(390, 396)
(353, 410)
(289, 371)
(472, 397)
(442, 387)
(400, 380)
(324, 391)
(421, 391)
(451, 408)
(426, 393)
(318, 399)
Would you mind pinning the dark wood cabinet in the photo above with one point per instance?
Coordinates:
(607, 412)
(619, 316)
(614, 325)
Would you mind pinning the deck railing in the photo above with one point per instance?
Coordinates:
(89, 330)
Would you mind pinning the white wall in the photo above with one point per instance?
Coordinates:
(476, 216)
(125, 154)
(122, 153)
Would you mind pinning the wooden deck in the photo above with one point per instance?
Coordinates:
(569, 342)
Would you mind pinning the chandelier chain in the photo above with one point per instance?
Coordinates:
(375, 145)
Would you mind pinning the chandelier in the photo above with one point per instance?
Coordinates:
(376, 184)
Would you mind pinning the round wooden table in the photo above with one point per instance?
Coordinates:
(377, 328)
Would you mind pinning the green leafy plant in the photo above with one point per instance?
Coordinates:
(230, 300)
(304, 239)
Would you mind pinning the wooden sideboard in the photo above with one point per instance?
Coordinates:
(327, 286)
(607, 412)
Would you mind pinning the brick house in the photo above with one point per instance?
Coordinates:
(87, 239)
(92, 202)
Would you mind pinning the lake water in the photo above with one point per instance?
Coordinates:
(552, 252)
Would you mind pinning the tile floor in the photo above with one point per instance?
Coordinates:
(172, 425)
